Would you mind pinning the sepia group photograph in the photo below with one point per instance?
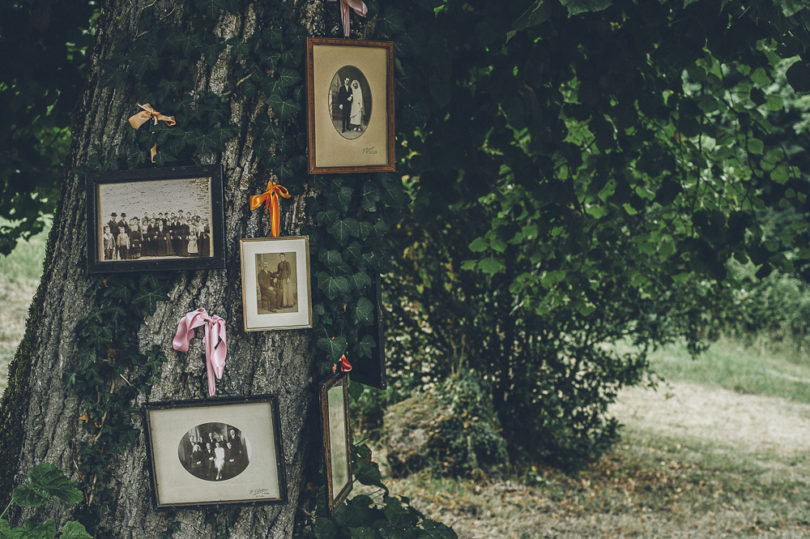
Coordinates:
(155, 219)
(218, 451)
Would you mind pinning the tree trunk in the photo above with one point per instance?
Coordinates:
(41, 413)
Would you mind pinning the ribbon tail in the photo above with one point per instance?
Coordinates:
(153, 152)
(344, 17)
(275, 216)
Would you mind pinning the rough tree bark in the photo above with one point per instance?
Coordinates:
(41, 409)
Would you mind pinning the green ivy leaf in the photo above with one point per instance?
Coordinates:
(344, 196)
(288, 77)
(343, 229)
(283, 108)
(334, 286)
(479, 245)
(364, 311)
(365, 348)
(575, 7)
(491, 265)
(43, 483)
(361, 280)
(74, 530)
(334, 348)
(42, 530)
(371, 195)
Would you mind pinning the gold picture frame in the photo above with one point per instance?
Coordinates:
(350, 106)
(276, 283)
(337, 446)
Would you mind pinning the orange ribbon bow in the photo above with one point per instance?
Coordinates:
(148, 113)
(358, 6)
(270, 200)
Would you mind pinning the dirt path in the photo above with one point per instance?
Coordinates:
(751, 423)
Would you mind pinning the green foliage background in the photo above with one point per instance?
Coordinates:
(571, 173)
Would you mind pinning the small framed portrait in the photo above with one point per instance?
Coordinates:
(275, 283)
(219, 451)
(350, 112)
(155, 219)
(336, 439)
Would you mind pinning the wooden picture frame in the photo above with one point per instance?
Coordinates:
(337, 444)
(350, 106)
(371, 371)
(171, 219)
(217, 451)
(276, 283)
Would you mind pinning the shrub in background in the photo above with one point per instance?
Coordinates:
(453, 430)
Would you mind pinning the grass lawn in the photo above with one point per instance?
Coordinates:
(19, 276)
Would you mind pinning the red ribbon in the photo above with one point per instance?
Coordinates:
(344, 365)
(215, 347)
(358, 6)
(270, 200)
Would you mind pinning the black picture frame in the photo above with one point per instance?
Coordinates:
(206, 492)
(336, 436)
(151, 197)
(372, 371)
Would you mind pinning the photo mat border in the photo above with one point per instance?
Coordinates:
(390, 164)
(174, 404)
(93, 180)
(333, 499)
(308, 324)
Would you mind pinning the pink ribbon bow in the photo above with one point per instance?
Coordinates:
(215, 347)
(358, 6)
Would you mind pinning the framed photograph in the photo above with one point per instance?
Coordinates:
(350, 105)
(219, 451)
(275, 283)
(371, 371)
(155, 219)
(336, 439)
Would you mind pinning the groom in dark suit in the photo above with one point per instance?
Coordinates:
(344, 98)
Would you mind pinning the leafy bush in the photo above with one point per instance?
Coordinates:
(467, 435)
(452, 430)
(775, 307)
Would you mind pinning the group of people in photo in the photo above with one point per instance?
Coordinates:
(167, 234)
(215, 453)
(350, 105)
(276, 288)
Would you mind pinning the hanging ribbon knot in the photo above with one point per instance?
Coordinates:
(358, 6)
(215, 345)
(343, 364)
(148, 113)
(270, 200)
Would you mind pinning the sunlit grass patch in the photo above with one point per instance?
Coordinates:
(731, 365)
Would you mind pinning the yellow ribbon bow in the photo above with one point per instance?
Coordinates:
(148, 113)
(270, 200)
